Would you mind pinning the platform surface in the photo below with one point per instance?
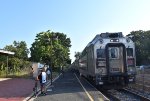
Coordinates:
(71, 87)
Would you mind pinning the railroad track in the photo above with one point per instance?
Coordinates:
(124, 95)
(145, 96)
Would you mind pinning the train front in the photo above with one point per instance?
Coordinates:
(115, 60)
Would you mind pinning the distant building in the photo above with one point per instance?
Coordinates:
(3, 52)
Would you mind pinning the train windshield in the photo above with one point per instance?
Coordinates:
(130, 52)
(100, 53)
(113, 52)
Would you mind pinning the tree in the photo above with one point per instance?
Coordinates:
(77, 55)
(142, 42)
(20, 49)
(17, 62)
(51, 48)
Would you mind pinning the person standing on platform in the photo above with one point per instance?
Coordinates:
(35, 76)
(40, 79)
(44, 78)
(48, 71)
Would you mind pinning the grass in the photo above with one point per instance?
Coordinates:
(21, 74)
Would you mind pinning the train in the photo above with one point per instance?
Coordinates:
(108, 59)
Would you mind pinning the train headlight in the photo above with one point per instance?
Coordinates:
(114, 40)
(129, 73)
(131, 70)
(128, 40)
(100, 70)
(101, 41)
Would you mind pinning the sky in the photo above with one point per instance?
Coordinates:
(80, 20)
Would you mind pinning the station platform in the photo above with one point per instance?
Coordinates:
(71, 87)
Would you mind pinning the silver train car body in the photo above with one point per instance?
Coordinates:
(108, 58)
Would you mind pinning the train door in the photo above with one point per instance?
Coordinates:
(90, 60)
(116, 59)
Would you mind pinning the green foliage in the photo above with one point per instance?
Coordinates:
(51, 48)
(77, 55)
(142, 42)
(15, 68)
(20, 49)
(17, 63)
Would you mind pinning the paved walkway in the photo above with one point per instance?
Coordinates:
(65, 88)
(68, 88)
(15, 89)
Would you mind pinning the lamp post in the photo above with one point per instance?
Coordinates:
(7, 67)
(143, 67)
(50, 66)
(143, 80)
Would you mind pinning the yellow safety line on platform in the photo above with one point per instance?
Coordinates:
(99, 92)
(90, 97)
(100, 99)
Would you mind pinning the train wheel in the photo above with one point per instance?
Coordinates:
(122, 81)
(126, 80)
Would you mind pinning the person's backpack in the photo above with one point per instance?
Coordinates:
(40, 77)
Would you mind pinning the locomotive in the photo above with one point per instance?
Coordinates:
(109, 58)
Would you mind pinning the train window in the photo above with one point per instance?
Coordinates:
(130, 52)
(113, 52)
(100, 53)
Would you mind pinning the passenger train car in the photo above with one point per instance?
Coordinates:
(108, 58)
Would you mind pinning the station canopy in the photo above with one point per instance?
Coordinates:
(6, 52)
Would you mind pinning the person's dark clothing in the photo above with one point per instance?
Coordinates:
(40, 77)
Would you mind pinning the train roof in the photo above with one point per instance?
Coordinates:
(105, 35)
(111, 35)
